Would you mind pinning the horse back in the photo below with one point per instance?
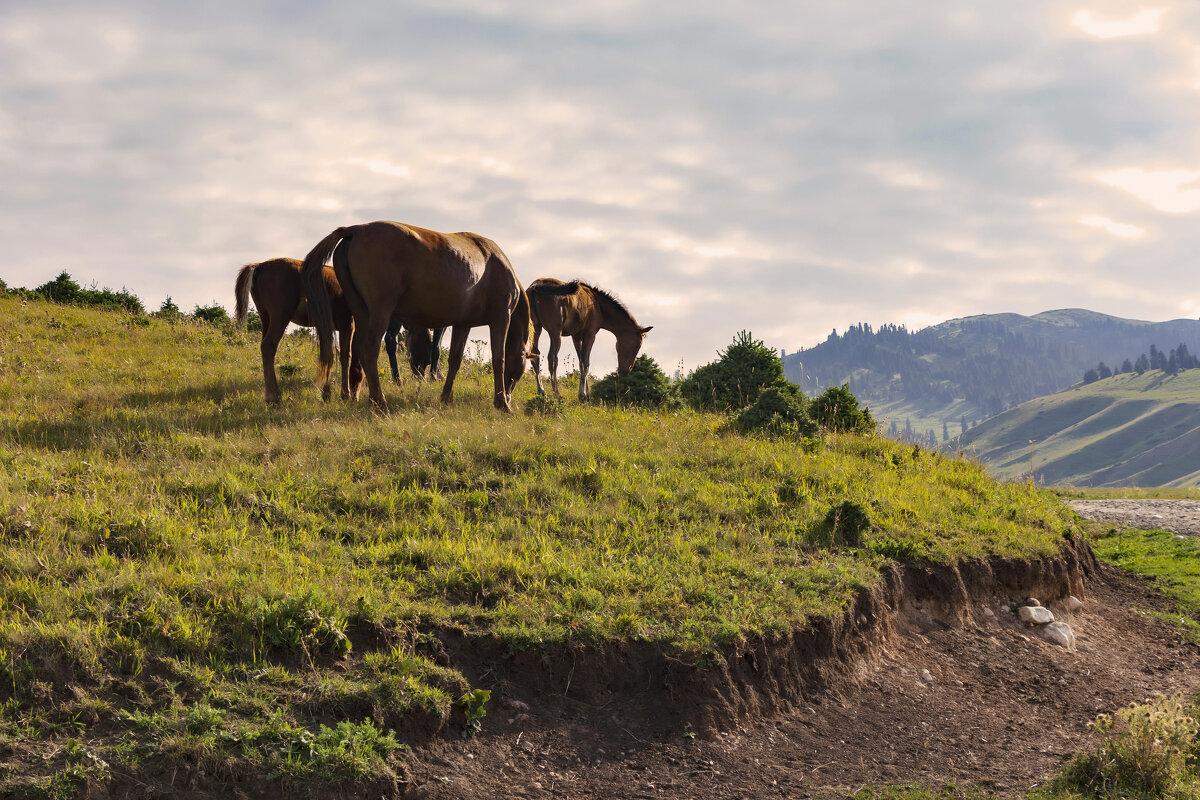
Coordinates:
(277, 286)
(429, 278)
(569, 314)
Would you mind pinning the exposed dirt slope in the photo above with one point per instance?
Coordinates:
(1003, 709)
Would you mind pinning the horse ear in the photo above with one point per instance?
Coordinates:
(647, 330)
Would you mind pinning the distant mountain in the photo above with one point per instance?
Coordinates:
(944, 378)
(1128, 430)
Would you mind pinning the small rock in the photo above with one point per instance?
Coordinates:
(926, 677)
(1059, 633)
(1072, 603)
(862, 620)
(536, 786)
(528, 746)
(511, 704)
(1038, 615)
(987, 612)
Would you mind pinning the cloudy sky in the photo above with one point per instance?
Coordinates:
(782, 167)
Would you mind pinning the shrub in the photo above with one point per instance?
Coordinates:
(845, 524)
(1150, 757)
(168, 310)
(836, 409)
(63, 289)
(778, 411)
(214, 314)
(544, 404)
(734, 380)
(646, 386)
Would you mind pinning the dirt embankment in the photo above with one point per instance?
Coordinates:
(927, 678)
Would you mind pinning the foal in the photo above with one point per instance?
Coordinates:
(579, 310)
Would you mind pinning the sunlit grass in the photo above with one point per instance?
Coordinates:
(170, 543)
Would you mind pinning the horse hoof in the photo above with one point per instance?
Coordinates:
(326, 394)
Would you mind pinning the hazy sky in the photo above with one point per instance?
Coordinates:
(782, 167)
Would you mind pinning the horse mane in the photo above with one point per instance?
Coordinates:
(611, 299)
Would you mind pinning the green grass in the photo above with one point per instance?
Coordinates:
(188, 573)
(1172, 564)
(1125, 431)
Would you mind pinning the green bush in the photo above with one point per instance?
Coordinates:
(845, 524)
(734, 380)
(168, 310)
(778, 411)
(836, 409)
(545, 404)
(214, 314)
(65, 290)
(646, 386)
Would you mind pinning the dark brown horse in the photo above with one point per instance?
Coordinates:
(579, 310)
(278, 294)
(425, 279)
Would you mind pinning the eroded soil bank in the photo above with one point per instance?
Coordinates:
(835, 707)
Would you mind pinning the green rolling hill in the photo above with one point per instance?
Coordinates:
(1127, 430)
(950, 376)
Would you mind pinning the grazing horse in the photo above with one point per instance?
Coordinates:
(578, 310)
(279, 297)
(278, 294)
(424, 351)
(425, 279)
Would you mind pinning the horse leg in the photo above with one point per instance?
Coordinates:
(458, 343)
(389, 344)
(272, 332)
(435, 354)
(535, 358)
(498, 331)
(583, 348)
(367, 339)
(552, 360)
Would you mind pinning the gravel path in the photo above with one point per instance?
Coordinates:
(1176, 516)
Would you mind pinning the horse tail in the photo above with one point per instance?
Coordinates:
(319, 305)
(241, 293)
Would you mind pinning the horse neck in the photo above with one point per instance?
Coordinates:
(615, 319)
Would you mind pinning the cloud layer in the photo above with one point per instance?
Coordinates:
(783, 171)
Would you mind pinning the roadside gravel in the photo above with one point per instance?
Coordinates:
(1176, 516)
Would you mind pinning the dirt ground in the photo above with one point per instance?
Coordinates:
(999, 707)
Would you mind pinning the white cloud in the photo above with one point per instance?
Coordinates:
(1173, 191)
(1121, 230)
(1143, 22)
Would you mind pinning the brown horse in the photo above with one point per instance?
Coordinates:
(278, 294)
(425, 279)
(579, 310)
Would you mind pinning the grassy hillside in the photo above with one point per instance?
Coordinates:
(975, 367)
(1128, 430)
(189, 576)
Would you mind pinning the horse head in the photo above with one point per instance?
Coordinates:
(629, 344)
